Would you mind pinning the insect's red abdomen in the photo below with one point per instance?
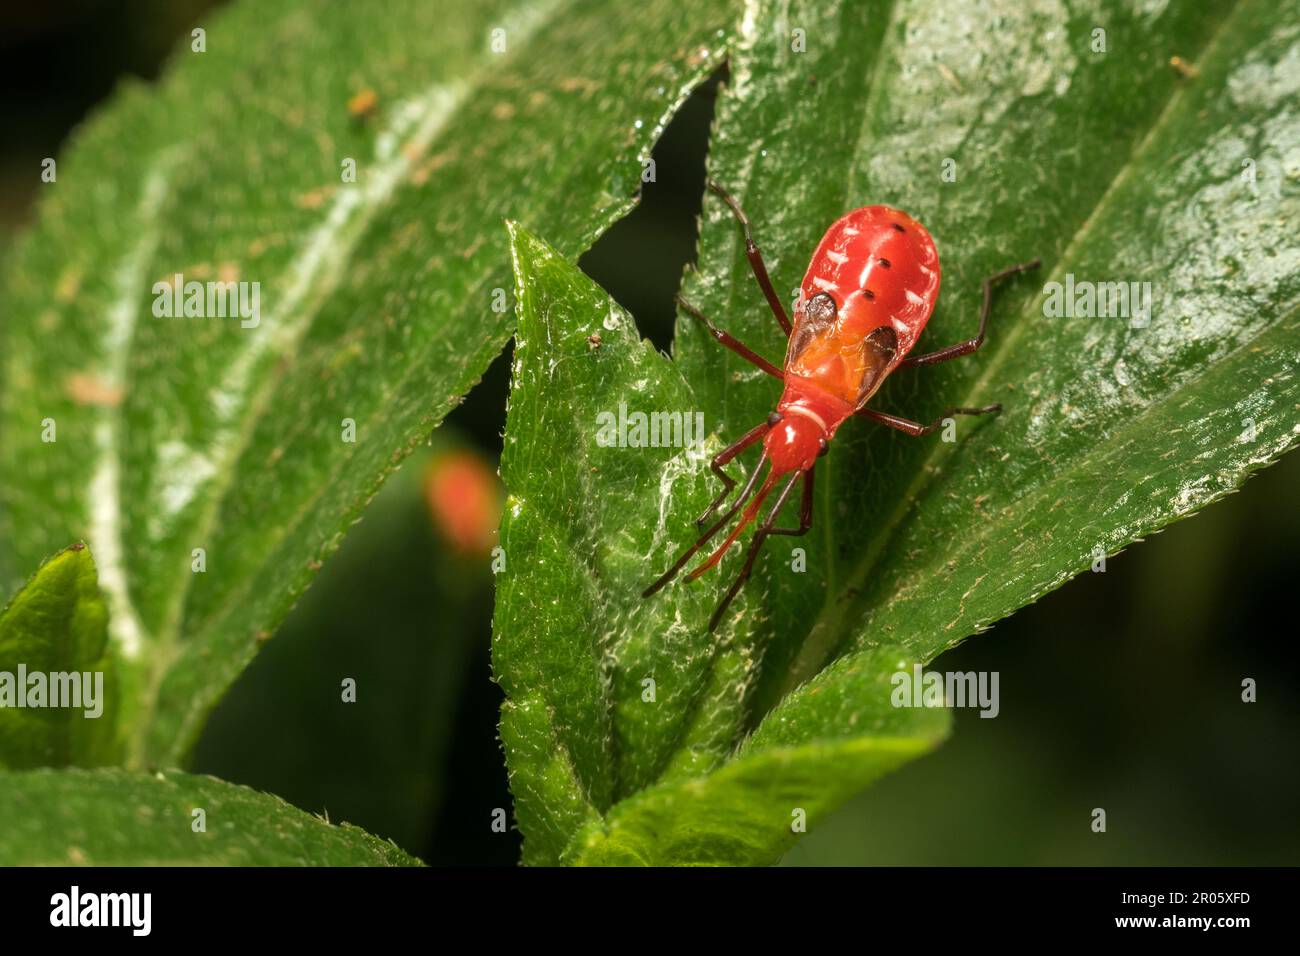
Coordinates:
(881, 267)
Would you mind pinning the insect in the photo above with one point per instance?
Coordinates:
(868, 292)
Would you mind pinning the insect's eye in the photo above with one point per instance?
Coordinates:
(820, 308)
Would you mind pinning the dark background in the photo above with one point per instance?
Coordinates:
(1120, 690)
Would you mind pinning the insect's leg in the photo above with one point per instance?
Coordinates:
(806, 507)
(729, 341)
(755, 258)
(970, 345)
(708, 535)
(805, 522)
(916, 429)
(725, 457)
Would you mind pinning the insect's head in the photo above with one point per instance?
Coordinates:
(794, 441)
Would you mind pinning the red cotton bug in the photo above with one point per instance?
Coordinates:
(868, 292)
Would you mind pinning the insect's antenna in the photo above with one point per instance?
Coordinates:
(708, 535)
(744, 521)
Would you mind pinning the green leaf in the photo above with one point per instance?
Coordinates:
(800, 765)
(118, 818)
(575, 642)
(1110, 166)
(54, 643)
(381, 301)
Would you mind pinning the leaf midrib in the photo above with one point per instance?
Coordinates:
(826, 482)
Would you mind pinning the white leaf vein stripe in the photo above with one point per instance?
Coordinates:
(308, 282)
(315, 274)
(104, 492)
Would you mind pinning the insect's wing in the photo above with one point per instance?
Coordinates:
(810, 324)
(879, 350)
(843, 362)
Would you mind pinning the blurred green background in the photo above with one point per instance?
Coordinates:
(1121, 690)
